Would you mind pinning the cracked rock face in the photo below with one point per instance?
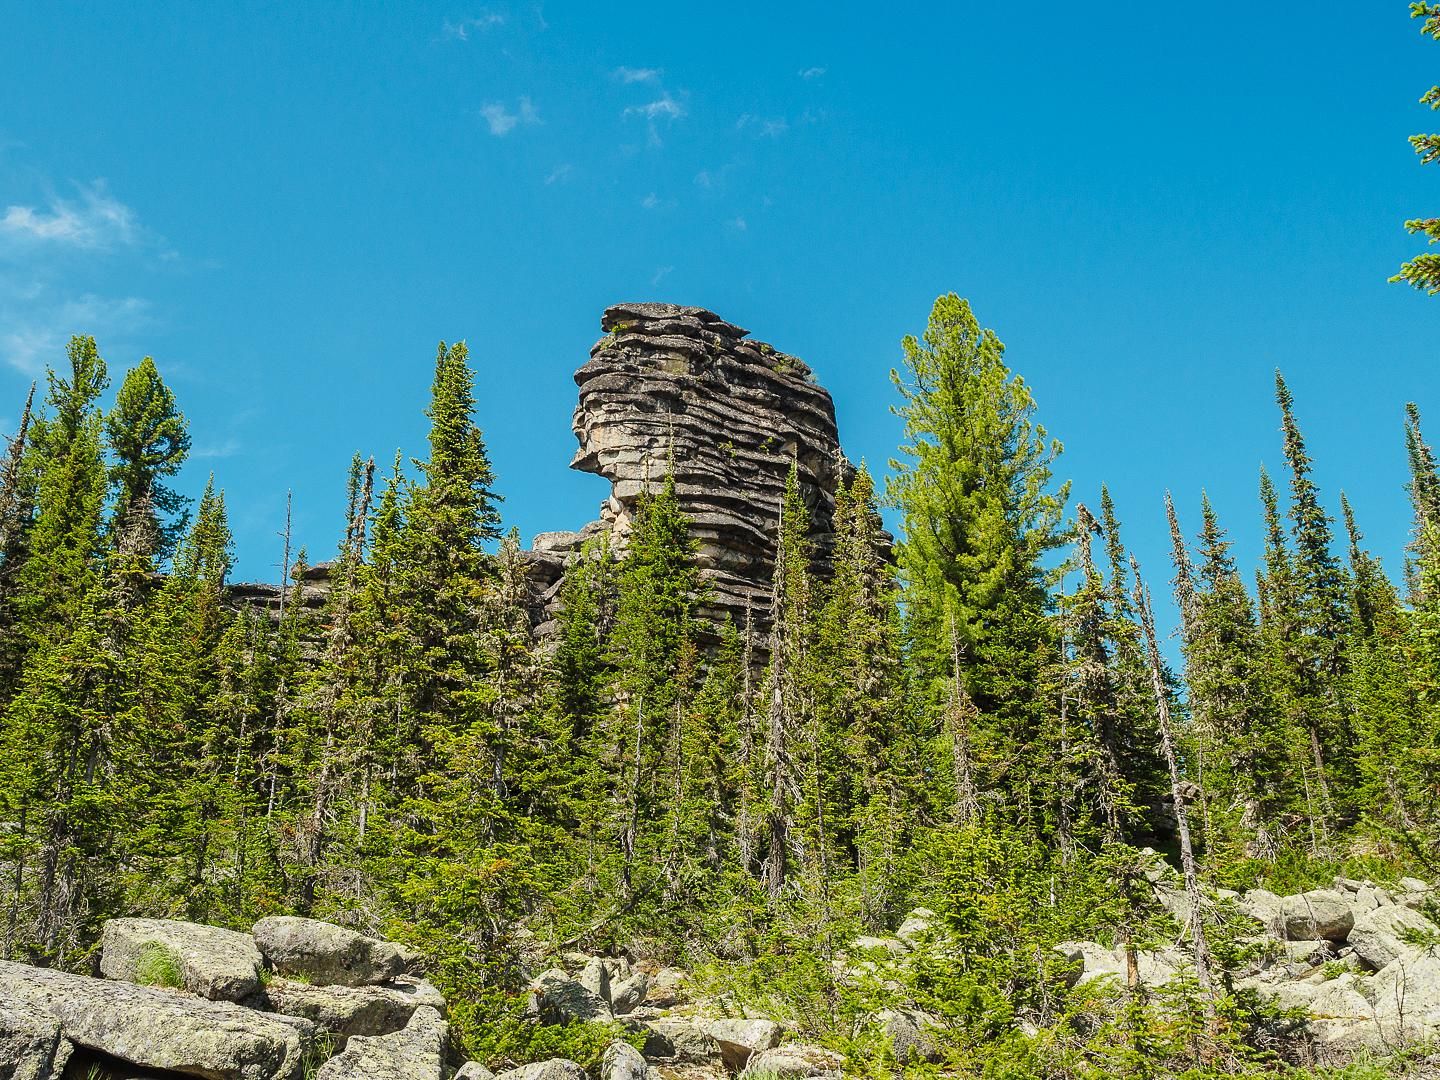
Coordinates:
(678, 387)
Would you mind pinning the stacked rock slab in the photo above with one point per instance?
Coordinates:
(679, 389)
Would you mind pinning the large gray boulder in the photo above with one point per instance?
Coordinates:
(596, 978)
(160, 1029)
(796, 1062)
(562, 999)
(218, 964)
(1407, 986)
(628, 993)
(683, 1040)
(1263, 906)
(1318, 914)
(739, 1040)
(911, 1035)
(328, 955)
(917, 926)
(31, 1044)
(554, 1069)
(1095, 961)
(351, 1010)
(473, 1070)
(1378, 936)
(415, 1053)
(623, 1062)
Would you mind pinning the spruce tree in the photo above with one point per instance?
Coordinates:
(149, 438)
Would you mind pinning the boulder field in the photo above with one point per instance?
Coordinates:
(302, 998)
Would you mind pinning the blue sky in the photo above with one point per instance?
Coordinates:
(1155, 207)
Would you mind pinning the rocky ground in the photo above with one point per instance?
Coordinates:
(298, 997)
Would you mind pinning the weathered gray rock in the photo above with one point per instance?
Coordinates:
(669, 987)
(916, 927)
(1320, 913)
(911, 1034)
(1095, 960)
(160, 1029)
(796, 1061)
(378, 1009)
(31, 1044)
(218, 964)
(473, 1070)
(1378, 936)
(627, 994)
(328, 955)
(562, 999)
(739, 1040)
(623, 1062)
(554, 1069)
(415, 1053)
(680, 1039)
(1408, 985)
(1263, 906)
(680, 388)
(1341, 999)
(596, 978)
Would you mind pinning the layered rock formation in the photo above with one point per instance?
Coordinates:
(679, 389)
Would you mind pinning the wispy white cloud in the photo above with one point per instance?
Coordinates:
(766, 127)
(638, 75)
(93, 221)
(812, 73)
(55, 258)
(228, 448)
(502, 121)
(665, 107)
(559, 174)
(740, 224)
(651, 201)
(36, 328)
(661, 274)
(461, 29)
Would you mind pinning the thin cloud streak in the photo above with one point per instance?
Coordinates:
(96, 221)
(630, 75)
(462, 29)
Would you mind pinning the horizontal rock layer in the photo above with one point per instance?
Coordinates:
(678, 389)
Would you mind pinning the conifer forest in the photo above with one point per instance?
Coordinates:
(789, 766)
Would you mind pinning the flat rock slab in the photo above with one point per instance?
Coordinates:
(351, 1010)
(416, 1053)
(328, 955)
(161, 1029)
(1378, 936)
(554, 1069)
(31, 1045)
(218, 964)
(795, 1062)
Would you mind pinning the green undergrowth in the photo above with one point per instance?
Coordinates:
(158, 965)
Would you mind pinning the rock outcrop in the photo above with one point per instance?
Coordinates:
(321, 952)
(218, 964)
(157, 1028)
(415, 1053)
(680, 389)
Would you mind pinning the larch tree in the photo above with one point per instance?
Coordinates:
(980, 511)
